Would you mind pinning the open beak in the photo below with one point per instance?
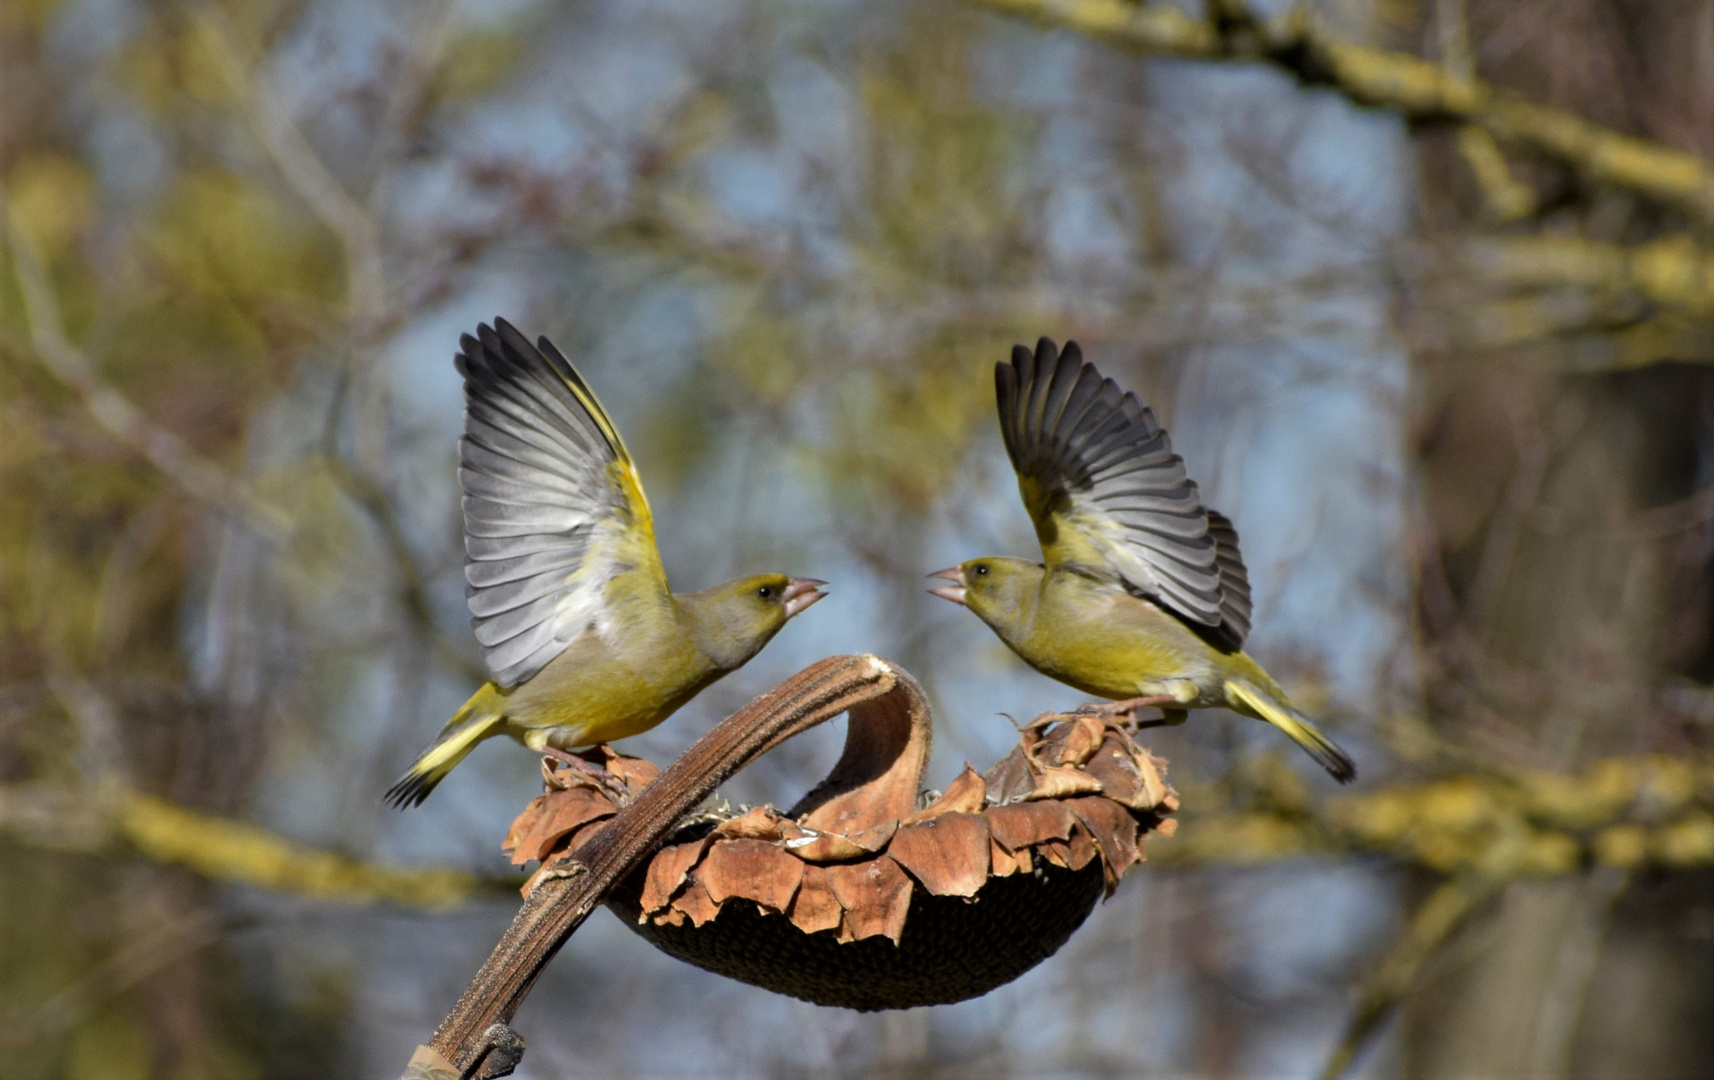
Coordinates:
(955, 592)
(801, 593)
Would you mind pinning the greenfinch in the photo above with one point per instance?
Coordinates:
(1142, 596)
(579, 631)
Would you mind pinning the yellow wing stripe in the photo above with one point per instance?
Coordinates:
(586, 397)
(640, 529)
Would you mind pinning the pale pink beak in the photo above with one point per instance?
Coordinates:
(801, 594)
(954, 593)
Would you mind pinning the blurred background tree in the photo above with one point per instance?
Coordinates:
(1424, 289)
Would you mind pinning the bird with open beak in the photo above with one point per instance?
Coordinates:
(1142, 596)
(584, 641)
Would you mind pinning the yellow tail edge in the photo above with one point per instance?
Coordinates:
(1298, 729)
(473, 722)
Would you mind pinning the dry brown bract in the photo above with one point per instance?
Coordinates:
(848, 859)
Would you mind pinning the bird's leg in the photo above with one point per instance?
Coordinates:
(1114, 709)
(1169, 718)
(581, 768)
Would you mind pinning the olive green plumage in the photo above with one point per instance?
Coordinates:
(1142, 595)
(583, 638)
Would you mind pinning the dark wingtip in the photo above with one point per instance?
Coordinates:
(513, 337)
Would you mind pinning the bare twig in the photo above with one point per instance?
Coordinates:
(356, 229)
(166, 451)
(1580, 950)
(159, 947)
(1506, 530)
(1506, 198)
(1415, 88)
(1688, 513)
(413, 590)
(1445, 910)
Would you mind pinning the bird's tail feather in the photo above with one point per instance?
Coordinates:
(1297, 727)
(469, 725)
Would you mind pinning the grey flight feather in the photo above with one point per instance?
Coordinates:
(535, 469)
(1234, 580)
(1104, 466)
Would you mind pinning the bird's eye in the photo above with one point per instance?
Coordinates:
(766, 592)
(981, 571)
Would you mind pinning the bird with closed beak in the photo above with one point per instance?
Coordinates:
(583, 639)
(1142, 596)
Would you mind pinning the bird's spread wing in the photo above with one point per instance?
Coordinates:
(1109, 497)
(1234, 579)
(553, 507)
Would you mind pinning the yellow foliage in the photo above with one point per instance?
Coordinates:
(145, 68)
(326, 540)
(1689, 842)
(1672, 270)
(1456, 804)
(225, 236)
(1154, 27)
(1561, 800)
(475, 62)
(50, 199)
(1240, 839)
(1675, 270)
(1666, 784)
(31, 13)
(1622, 812)
(933, 161)
(1623, 846)
(1402, 81)
(910, 430)
(169, 57)
(1548, 854)
(764, 354)
(1281, 787)
(202, 71)
(1506, 197)
(114, 1046)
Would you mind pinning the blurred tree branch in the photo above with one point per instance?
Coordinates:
(1504, 196)
(1430, 926)
(166, 451)
(1629, 813)
(1672, 271)
(142, 956)
(91, 819)
(413, 588)
(1478, 831)
(1415, 88)
(358, 233)
(1619, 305)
